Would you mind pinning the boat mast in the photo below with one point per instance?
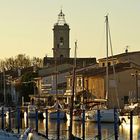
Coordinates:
(107, 80)
(4, 86)
(72, 97)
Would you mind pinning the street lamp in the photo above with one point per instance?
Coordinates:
(136, 74)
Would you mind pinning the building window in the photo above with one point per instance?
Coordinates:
(103, 64)
(79, 82)
(70, 82)
(126, 99)
(109, 63)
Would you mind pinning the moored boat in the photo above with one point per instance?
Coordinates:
(32, 111)
(107, 115)
(77, 115)
(54, 110)
(54, 114)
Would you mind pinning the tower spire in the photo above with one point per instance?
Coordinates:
(61, 18)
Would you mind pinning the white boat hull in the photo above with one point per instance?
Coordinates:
(107, 115)
(54, 115)
(75, 117)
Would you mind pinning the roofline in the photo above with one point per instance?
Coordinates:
(121, 54)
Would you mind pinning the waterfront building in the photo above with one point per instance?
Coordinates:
(124, 84)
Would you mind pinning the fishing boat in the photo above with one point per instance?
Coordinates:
(107, 114)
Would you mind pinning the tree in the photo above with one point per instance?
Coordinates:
(20, 61)
(27, 85)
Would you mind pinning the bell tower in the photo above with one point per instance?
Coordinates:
(61, 38)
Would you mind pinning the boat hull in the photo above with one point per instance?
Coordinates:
(54, 115)
(107, 116)
(75, 117)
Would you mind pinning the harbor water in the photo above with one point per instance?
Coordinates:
(91, 129)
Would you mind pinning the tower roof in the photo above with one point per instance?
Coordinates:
(61, 18)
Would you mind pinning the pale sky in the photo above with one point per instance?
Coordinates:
(26, 26)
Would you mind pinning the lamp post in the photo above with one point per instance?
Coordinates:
(136, 74)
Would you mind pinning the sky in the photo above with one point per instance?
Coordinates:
(26, 26)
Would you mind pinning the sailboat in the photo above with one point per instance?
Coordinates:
(53, 112)
(107, 115)
(77, 111)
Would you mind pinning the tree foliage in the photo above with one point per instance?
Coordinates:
(28, 85)
(20, 61)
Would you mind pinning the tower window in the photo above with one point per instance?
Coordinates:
(61, 41)
(61, 56)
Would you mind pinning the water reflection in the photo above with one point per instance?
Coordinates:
(125, 128)
(91, 130)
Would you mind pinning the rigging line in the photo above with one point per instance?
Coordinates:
(114, 72)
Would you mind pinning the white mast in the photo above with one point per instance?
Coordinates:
(4, 86)
(107, 80)
(72, 97)
(75, 56)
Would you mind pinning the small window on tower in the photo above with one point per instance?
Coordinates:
(61, 41)
(61, 56)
